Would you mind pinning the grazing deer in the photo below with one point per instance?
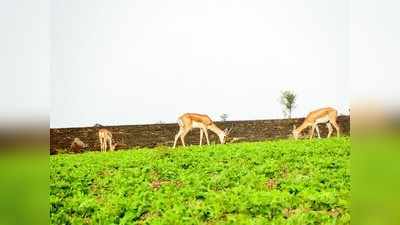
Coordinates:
(105, 138)
(77, 145)
(188, 121)
(324, 115)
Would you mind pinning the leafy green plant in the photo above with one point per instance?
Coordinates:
(272, 182)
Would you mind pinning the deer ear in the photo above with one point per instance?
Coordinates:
(225, 130)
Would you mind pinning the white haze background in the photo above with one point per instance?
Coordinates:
(143, 61)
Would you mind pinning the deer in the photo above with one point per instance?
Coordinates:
(77, 145)
(105, 137)
(188, 121)
(326, 115)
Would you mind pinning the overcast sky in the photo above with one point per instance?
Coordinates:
(144, 61)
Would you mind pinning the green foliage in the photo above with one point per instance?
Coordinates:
(288, 101)
(274, 182)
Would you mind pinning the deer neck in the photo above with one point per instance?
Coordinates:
(303, 126)
(217, 131)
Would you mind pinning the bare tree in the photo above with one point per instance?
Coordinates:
(288, 101)
(224, 117)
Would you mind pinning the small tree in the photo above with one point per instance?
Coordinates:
(224, 117)
(288, 100)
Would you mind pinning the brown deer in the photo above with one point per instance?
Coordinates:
(188, 121)
(325, 115)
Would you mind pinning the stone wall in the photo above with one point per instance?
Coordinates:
(163, 134)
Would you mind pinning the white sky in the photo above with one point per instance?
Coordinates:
(130, 62)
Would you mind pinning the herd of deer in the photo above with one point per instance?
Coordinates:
(188, 121)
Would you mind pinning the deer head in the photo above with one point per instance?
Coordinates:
(296, 134)
(112, 147)
(226, 133)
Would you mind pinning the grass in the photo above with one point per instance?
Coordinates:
(272, 182)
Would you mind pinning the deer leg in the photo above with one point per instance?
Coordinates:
(177, 136)
(206, 133)
(317, 128)
(105, 141)
(110, 142)
(329, 126)
(201, 136)
(312, 131)
(333, 122)
(102, 144)
(183, 137)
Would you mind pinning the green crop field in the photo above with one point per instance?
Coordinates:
(272, 182)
